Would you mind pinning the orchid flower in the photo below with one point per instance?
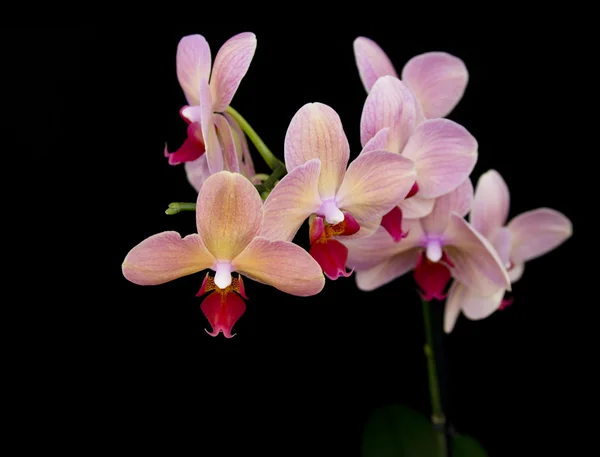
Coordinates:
(340, 202)
(439, 246)
(437, 79)
(229, 217)
(209, 131)
(444, 152)
(526, 237)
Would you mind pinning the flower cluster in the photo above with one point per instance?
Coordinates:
(400, 206)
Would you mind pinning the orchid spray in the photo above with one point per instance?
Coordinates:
(399, 207)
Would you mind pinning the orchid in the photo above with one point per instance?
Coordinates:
(444, 152)
(437, 79)
(526, 237)
(229, 218)
(340, 202)
(214, 139)
(439, 246)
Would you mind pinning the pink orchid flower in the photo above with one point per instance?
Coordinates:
(210, 133)
(437, 79)
(444, 152)
(439, 246)
(526, 237)
(345, 202)
(229, 217)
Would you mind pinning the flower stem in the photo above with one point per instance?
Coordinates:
(272, 161)
(175, 207)
(437, 414)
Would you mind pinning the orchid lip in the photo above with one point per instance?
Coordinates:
(331, 212)
(223, 274)
(434, 250)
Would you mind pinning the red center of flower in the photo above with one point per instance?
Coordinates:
(223, 307)
(432, 277)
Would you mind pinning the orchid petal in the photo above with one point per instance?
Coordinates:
(225, 137)
(444, 153)
(516, 271)
(438, 80)
(475, 262)
(416, 207)
(501, 240)
(231, 64)
(389, 104)
(372, 62)
(245, 161)
(191, 113)
(193, 64)
(374, 183)
(331, 257)
(365, 253)
(477, 307)
(280, 264)
(452, 306)
(316, 132)
(459, 201)
(228, 214)
(191, 149)
(197, 172)
(491, 203)
(164, 257)
(214, 155)
(222, 310)
(292, 200)
(387, 271)
(378, 142)
(537, 232)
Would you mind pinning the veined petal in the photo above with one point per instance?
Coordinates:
(387, 271)
(501, 241)
(371, 61)
(389, 104)
(214, 155)
(374, 183)
(197, 172)
(231, 64)
(292, 200)
(225, 137)
(475, 263)
(416, 207)
(280, 264)
(444, 153)
(316, 132)
(491, 203)
(228, 214)
(245, 161)
(379, 142)
(164, 257)
(459, 201)
(193, 64)
(365, 253)
(438, 81)
(536, 232)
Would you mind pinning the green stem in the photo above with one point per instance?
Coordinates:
(175, 208)
(267, 185)
(437, 414)
(272, 161)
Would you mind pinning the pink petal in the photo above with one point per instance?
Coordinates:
(444, 153)
(378, 142)
(292, 200)
(214, 155)
(371, 61)
(228, 214)
(459, 201)
(452, 307)
(367, 252)
(387, 271)
(164, 257)
(197, 172)
(191, 113)
(389, 104)
(416, 207)
(190, 150)
(316, 132)
(392, 223)
(374, 183)
(280, 264)
(225, 137)
(222, 309)
(193, 64)
(438, 81)
(476, 307)
(475, 262)
(491, 203)
(231, 64)
(241, 146)
(331, 256)
(537, 232)
(516, 271)
(501, 240)
(316, 227)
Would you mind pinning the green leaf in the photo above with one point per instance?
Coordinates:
(398, 431)
(465, 446)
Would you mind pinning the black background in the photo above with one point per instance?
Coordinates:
(116, 366)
